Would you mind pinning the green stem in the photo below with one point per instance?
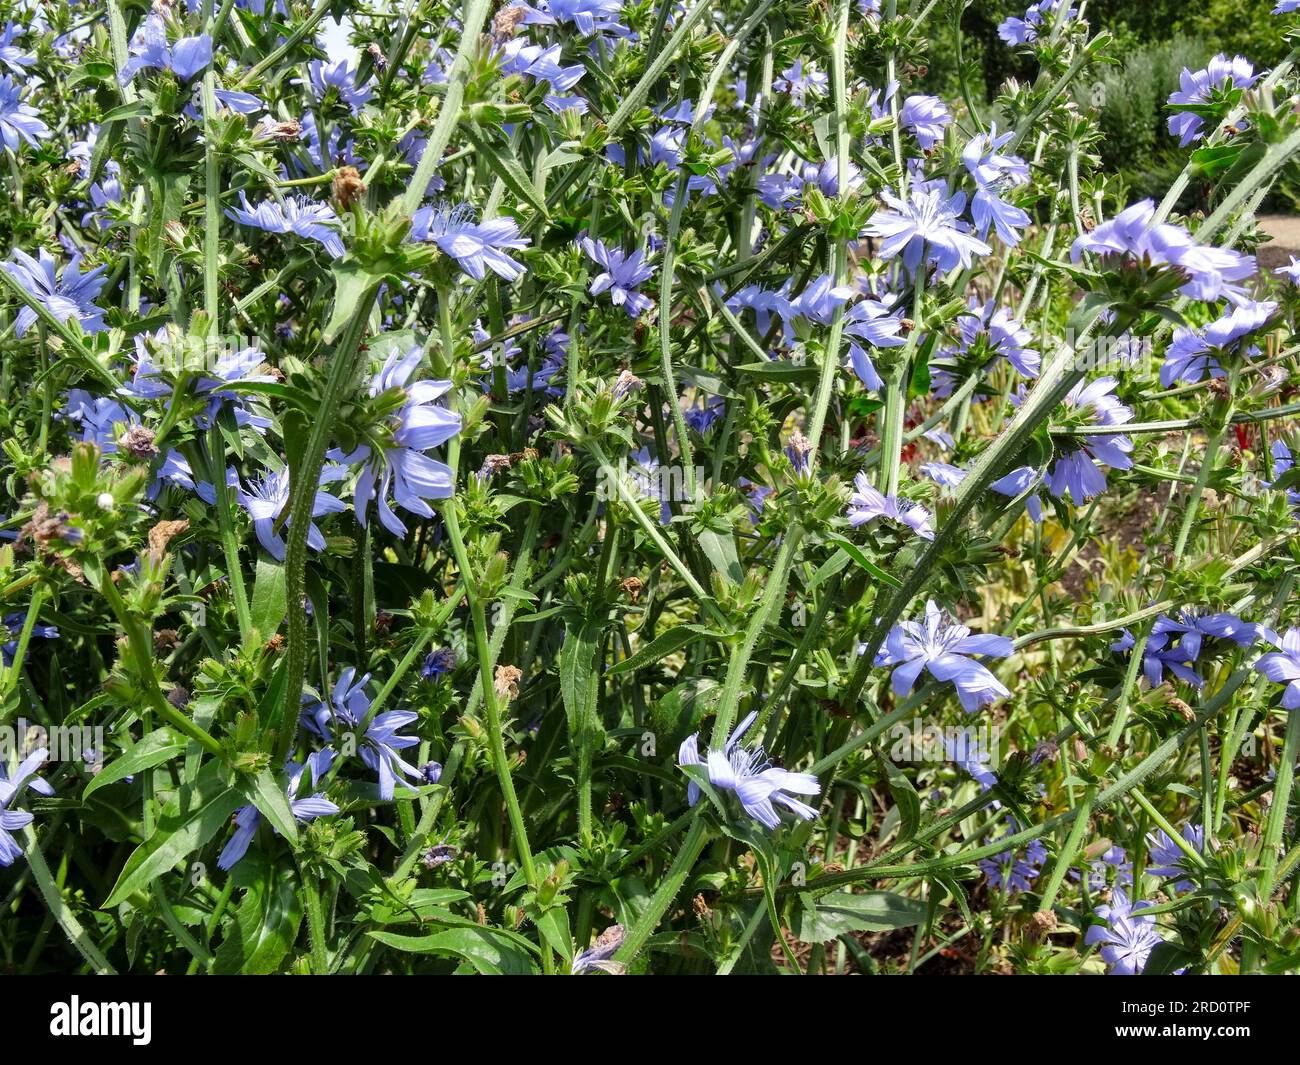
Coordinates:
(229, 542)
(316, 929)
(1193, 855)
(14, 670)
(482, 650)
(614, 477)
(62, 913)
(690, 849)
(1277, 811)
(773, 594)
(304, 480)
(299, 34)
(449, 112)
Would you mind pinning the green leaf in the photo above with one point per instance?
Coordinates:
(661, 647)
(1086, 313)
(577, 665)
(554, 926)
(919, 383)
(827, 569)
(154, 749)
(488, 952)
(720, 549)
(135, 109)
(679, 712)
(854, 552)
(1167, 958)
(839, 912)
(92, 72)
(1288, 479)
(507, 168)
(295, 397)
(354, 285)
(110, 135)
(707, 381)
(265, 792)
(193, 817)
(1211, 161)
(269, 606)
(788, 372)
(905, 798)
(559, 157)
(266, 922)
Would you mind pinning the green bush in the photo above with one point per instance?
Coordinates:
(1159, 39)
(1237, 27)
(1133, 117)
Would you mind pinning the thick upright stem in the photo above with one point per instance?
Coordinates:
(304, 482)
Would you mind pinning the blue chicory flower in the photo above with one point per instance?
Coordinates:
(19, 122)
(622, 274)
(1167, 859)
(1192, 625)
(974, 760)
(247, 818)
(992, 329)
(420, 424)
(378, 744)
(1016, 483)
(10, 54)
(798, 84)
(1194, 354)
(868, 503)
(149, 50)
(1212, 273)
(599, 956)
(589, 17)
(944, 474)
(926, 117)
(1017, 31)
(1283, 665)
(296, 214)
(944, 649)
(1291, 271)
(476, 246)
(10, 788)
(995, 173)
(745, 770)
(926, 226)
(817, 302)
(1111, 865)
(1203, 87)
(66, 294)
(1077, 473)
(1127, 937)
(13, 625)
(341, 77)
(438, 664)
(1007, 871)
(873, 322)
(267, 497)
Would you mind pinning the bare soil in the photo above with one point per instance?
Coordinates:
(1285, 233)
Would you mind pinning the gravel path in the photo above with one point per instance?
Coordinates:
(1284, 229)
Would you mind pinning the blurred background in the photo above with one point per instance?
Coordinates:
(1157, 38)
